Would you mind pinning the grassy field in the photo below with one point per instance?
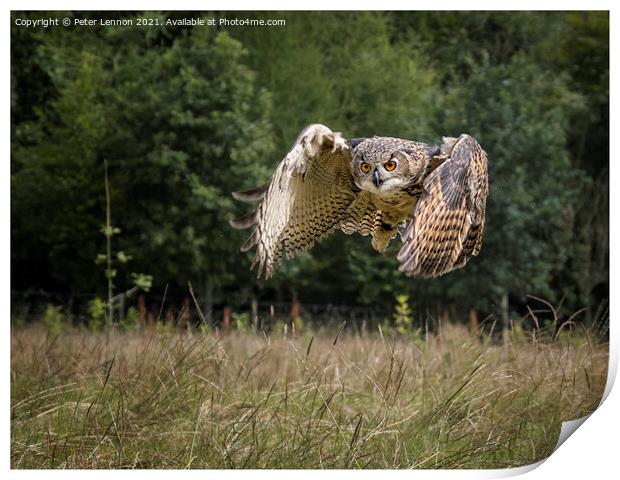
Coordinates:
(170, 399)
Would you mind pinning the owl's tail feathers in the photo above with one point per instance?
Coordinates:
(251, 196)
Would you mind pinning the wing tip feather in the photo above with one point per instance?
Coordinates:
(244, 221)
(251, 196)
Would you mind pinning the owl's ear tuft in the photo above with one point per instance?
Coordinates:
(448, 144)
(354, 142)
(433, 150)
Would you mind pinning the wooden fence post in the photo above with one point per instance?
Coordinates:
(473, 322)
(295, 315)
(226, 319)
(142, 319)
(254, 307)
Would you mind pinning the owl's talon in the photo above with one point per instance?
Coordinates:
(381, 238)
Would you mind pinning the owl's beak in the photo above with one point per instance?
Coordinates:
(376, 179)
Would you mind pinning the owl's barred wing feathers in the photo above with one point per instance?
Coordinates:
(448, 220)
(305, 199)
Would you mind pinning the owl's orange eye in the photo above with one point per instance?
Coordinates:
(365, 167)
(389, 165)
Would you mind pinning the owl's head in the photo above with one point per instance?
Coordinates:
(383, 165)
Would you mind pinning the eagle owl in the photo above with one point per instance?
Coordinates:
(433, 196)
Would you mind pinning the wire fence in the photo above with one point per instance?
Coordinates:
(185, 310)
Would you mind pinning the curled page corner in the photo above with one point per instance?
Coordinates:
(515, 471)
(568, 428)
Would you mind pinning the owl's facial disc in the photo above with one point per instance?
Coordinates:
(380, 177)
(380, 167)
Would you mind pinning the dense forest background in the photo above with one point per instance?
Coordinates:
(184, 115)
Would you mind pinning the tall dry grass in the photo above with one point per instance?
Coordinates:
(194, 400)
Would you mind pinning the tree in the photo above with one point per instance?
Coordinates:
(181, 124)
(185, 115)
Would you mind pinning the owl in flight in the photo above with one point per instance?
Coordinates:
(433, 196)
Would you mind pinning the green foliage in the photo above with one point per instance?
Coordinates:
(403, 319)
(543, 118)
(142, 281)
(242, 321)
(185, 115)
(131, 321)
(528, 221)
(173, 119)
(515, 333)
(342, 68)
(96, 314)
(164, 330)
(298, 323)
(53, 319)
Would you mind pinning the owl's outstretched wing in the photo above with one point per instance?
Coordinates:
(448, 220)
(305, 199)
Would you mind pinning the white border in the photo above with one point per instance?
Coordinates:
(590, 452)
(314, 5)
